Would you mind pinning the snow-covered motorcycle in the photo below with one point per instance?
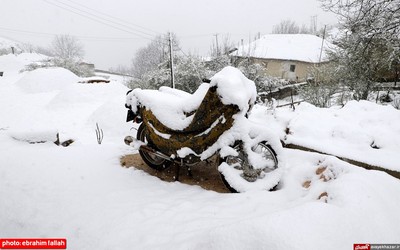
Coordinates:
(182, 128)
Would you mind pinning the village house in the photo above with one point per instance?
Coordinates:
(286, 56)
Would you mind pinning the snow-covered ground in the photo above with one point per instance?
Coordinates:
(81, 192)
(361, 131)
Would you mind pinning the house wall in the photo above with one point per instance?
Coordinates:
(281, 68)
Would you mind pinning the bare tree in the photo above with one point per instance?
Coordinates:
(67, 47)
(369, 18)
(286, 27)
(153, 55)
(68, 52)
(370, 42)
(222, 45)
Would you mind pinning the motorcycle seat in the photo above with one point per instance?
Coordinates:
(173, 108)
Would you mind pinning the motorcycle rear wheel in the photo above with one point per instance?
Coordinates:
(150, 159)
(261, 148)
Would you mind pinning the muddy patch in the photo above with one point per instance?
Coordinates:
(204, 174)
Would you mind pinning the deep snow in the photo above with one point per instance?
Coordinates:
(82, 194)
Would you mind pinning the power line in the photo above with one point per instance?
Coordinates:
(116, 18)
(36, 33)
(99, 21)
(102, 17)
(195, 36)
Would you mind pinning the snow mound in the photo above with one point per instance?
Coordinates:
(84, 95)
(15, 63)
(112, 122)
(34, 135)
(47, 80)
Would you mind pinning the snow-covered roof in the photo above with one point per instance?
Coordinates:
(298, 47)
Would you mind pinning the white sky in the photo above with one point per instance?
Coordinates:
(194, 22)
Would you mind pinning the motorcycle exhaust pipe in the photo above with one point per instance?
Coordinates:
(143, 147)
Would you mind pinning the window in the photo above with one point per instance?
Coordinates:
(292, 68)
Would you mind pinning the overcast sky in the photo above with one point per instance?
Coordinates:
(112, 30)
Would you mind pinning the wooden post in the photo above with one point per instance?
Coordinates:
(171, 58)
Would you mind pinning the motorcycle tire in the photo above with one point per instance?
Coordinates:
(261, 147)
(151, 160)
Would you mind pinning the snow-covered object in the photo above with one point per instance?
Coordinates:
(234, 88)
(93, 79)
(296, 47)
(46, 80)
(169, 105)
(33, 135)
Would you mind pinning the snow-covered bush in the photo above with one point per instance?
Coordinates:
(396, 103)
(189, 73)
(322, 87)
(368, 46)
(74, 66)
(257, 73)
(4, 52)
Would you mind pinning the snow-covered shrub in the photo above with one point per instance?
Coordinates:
(257, 73)
(188, 73)
(217, 63)
(4, 52)
(396, 103)
(71, 65)
(155, 79)
(324, 85)
(74, 66)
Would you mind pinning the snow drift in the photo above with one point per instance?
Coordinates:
(47, 80)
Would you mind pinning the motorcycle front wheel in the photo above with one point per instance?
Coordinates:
(150, 159)
(238, 177)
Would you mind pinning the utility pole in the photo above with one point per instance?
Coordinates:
(171, 59)
(314, 24)
(322, 45)
(216, 43)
